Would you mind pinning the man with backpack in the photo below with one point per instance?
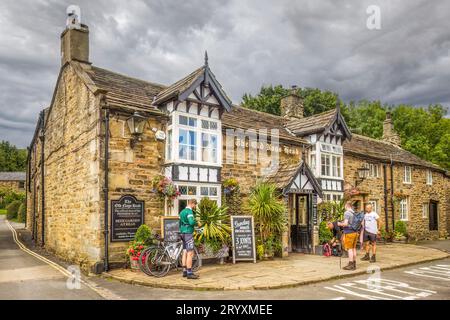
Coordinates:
(351, 227)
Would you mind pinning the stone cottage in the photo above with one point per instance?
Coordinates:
(106, 136)
(13, 180)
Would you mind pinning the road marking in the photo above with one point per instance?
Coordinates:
(440, 272)
(104, 293)
(382, 289)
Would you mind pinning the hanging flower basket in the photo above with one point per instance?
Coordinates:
(165, 188)
(230, 185)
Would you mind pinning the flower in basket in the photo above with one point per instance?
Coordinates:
(165, 188)
(134, 250)
(230, 185)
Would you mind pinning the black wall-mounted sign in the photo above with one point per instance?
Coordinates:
(243, 234)
(127, 216)
(170, 229)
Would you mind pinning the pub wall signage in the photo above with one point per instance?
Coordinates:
(127, 216)
(253, 144)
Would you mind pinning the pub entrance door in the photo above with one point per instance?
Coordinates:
(300, 222)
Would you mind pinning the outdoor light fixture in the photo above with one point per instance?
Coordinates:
(136, 124)
(363, 173)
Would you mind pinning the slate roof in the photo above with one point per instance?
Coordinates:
(245, 118)
(283, 176)
(312, 124)
(366, 147)
(13, 176)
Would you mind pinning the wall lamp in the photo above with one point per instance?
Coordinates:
(136, 124)
(363, 173)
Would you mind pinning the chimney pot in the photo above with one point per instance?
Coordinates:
(75, 38)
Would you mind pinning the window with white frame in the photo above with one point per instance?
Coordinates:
(373, 170)
(193, 138)
(425, 210)
(313, 162)
(407, 174)
(331, 165)
(404, 209)
(198, 192)
(329, 197)
(429, 177)
(374, 204)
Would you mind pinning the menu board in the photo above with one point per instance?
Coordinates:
(314, 210)
(127, 216)
(170, 229)
(243, 235)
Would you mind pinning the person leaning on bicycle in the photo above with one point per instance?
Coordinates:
(187, 224)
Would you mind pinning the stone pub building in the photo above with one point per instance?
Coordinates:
(106, 136)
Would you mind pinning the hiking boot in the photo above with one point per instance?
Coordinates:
(192, 276)
(351, 266)
(184, 274)
(373, 259)
(366, 257)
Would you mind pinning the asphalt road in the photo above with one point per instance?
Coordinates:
(23, 276)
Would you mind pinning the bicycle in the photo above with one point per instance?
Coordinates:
(157, 260)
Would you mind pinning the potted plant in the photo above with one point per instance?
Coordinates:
(401, 233)
(269, 211)
(133, 253)
(214, 235)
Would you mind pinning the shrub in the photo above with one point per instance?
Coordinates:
(214, 221)
(400, 228)
(8, 196)
(144, 235)
(325, 234)
(12, 209)
(22, 213)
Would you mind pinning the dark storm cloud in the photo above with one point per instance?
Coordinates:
(323, 44)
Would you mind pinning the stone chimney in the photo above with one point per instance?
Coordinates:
(389, 134)
(75, 39)
(292, 105)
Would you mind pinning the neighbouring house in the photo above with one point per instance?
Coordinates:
(106, 137)
(13, 180)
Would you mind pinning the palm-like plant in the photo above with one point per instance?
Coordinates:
(214, 222)
(268, 209)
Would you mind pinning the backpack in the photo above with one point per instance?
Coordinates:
(358, 218)
(326, 250)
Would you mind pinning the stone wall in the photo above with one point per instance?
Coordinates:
(418, 192)
(131, 172)
(12, 185)
(72, 182)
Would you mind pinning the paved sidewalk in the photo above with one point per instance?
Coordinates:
(296, 270)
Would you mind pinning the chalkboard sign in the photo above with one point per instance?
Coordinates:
(127, 216)
(243, 234)
(170, 228)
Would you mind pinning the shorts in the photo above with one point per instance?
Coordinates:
(372, 237)
(188, 241)
(350, 240)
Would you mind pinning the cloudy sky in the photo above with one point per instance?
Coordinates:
(323, 44)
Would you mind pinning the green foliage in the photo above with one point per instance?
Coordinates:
(325, 234)
(366, 118)
(400, 228)
(22, 213)
(8, 195)
(144, 235)
(214, 222)
(387, 235)
(269, 211)
(12, 209)
(332, 211)
(11, 158)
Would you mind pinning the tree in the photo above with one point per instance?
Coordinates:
(11, 158)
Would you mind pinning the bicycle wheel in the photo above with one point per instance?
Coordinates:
(158, 262)
(143, 259)
(196, 261)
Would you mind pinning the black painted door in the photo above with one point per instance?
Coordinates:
(300, 230)
(434, 223)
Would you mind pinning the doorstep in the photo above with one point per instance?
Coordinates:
(294, 270)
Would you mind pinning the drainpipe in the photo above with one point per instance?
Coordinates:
(27, 187)
(42, 137)
(106, 191)
(392, 195)
(386, 210)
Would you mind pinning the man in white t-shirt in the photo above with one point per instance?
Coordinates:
(371, 231)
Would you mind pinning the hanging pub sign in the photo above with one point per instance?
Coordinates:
(170, 228)
(314, 209)
(243, 236)
(127, 216)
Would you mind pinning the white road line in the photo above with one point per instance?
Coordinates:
(104, 293)
(341, 289)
